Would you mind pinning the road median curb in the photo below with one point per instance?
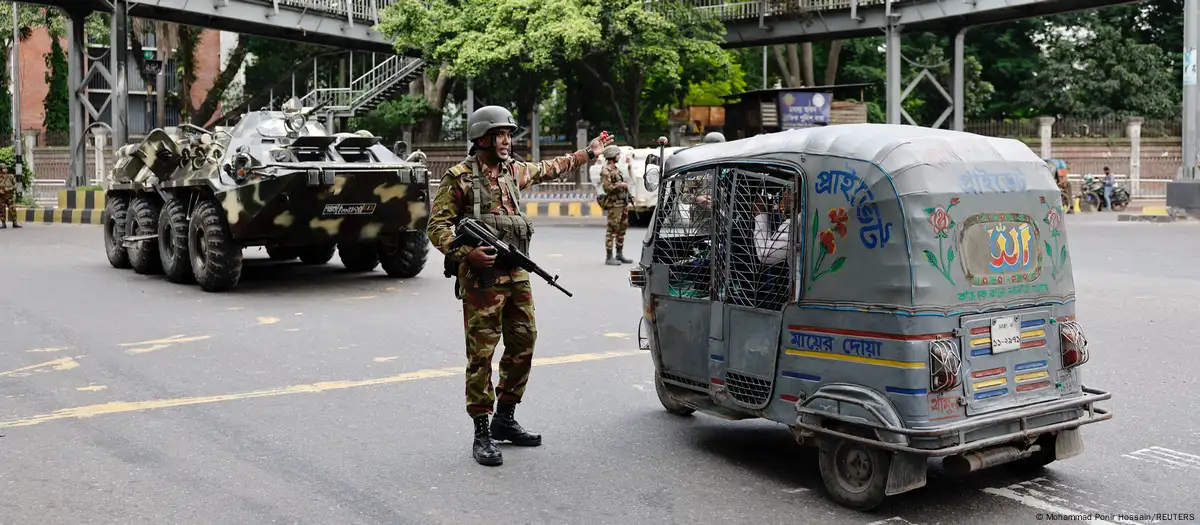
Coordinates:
(59, 215)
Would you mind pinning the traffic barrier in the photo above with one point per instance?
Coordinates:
(59, 216)
(564, 209)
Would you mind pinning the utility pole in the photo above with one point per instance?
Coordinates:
(1191, 11)
(16, 89)
(1184, 192)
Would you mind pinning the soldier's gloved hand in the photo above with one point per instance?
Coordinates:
(598, 143)
(482, 257)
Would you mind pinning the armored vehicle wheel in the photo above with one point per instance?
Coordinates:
(319, 254)
(359, 257)
(404, 255)
(143, 255)
(216, 259)
(669, 402)
(282, 253)
(855, 474)
(116, 215)
(173, 242)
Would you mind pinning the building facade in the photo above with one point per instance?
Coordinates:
(211, 51)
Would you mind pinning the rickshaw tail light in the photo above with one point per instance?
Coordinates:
(1073, 344)
(637, 276)
(945, 365)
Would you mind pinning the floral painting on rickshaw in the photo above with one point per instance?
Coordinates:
(943, 224)
(827, 244)
(1057, 252)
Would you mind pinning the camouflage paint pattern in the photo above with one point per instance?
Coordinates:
(502, 310)
(618, 223)
(307, 189)
(617, 201)
(454, 200)
(8, 197)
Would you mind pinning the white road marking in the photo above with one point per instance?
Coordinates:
(1058, 498)
(794, 491)
(893, 520)
(1166, 456)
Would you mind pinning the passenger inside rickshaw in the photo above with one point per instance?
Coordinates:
(751, 217)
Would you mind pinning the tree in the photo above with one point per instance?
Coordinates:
(1095, 68)
(648, 58)
(522, 39)
(57, 103)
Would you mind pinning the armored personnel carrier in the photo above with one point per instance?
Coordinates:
(185, 204)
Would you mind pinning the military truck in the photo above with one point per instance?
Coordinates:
(186, 204)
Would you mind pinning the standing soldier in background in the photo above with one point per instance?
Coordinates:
(8, 198)
(487, 186)
(616, 195)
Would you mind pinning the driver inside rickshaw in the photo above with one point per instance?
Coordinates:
(771, 243)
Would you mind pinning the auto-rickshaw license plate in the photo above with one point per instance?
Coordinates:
(1006, 334)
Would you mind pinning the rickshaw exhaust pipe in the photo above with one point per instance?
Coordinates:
(961, 464)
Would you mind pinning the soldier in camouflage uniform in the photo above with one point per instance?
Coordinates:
(486, 186)
(616, 199)
(8, 198)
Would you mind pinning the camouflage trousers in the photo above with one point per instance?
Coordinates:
(488, 314)
(8, 207)
(618, 223)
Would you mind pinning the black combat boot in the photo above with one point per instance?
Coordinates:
(484, 449)
(4, 225)
(505, 428)
(621, 256)
(15, 225)
(608, 259)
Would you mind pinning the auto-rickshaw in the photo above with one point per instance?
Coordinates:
(924, 308)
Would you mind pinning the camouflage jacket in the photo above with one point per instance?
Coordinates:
(8, 183)
(610, 177)
(453, 200)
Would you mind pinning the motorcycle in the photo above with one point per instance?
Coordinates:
(1093, 193)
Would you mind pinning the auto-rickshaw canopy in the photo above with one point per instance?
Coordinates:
(910, 220)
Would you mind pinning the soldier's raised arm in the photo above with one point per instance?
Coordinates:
(444, 210)
(537, 172)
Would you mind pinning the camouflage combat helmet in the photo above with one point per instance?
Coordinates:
(488, 118)
(611, 152)
(714, 137)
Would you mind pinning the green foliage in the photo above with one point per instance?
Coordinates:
(709, 92)
(389, 119)
(649, 58)
(1107, 73)
(476, 38)
(8, 159)
(57, 101)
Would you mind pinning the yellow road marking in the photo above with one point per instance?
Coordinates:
(60, 364)
(384, 359)
(268, 320)
(159, 344)
(46, 350)
(616, 334)
(94, 388)
(119, 407)
(236, 308)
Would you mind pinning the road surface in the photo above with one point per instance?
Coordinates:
(308, 395)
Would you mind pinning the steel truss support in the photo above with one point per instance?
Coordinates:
(895, 97)
(81, 69)
(77, 82)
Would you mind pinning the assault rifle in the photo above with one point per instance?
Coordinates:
(473, 233)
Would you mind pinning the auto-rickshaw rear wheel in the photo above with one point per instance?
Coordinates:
(855, 474)
(669, 402)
